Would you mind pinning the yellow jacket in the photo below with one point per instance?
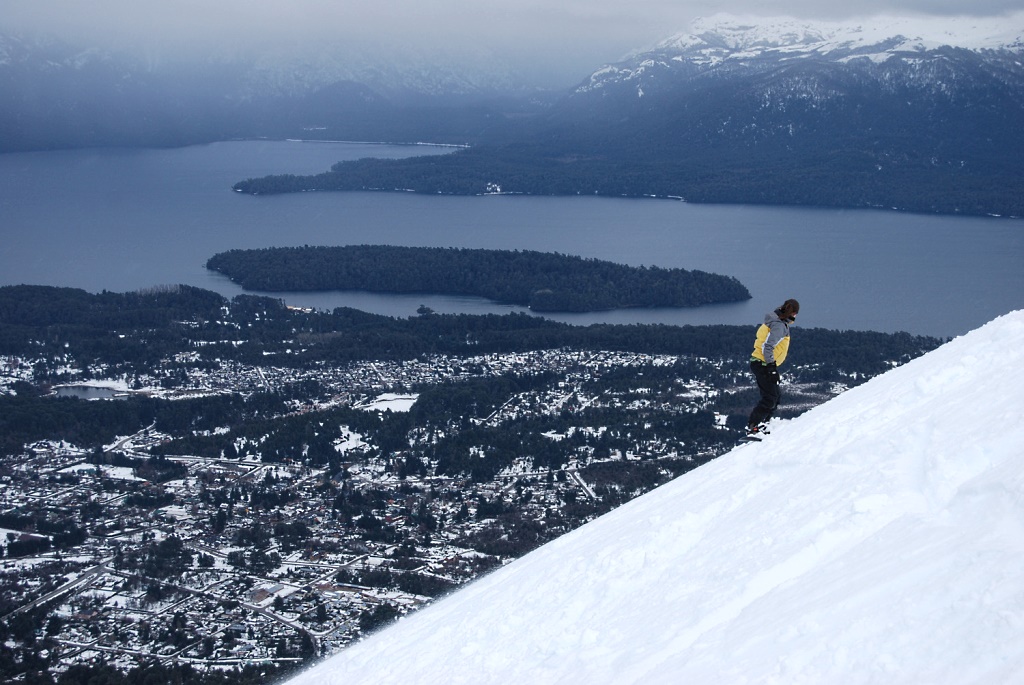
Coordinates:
(772, 341)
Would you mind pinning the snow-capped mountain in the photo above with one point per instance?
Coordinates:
(731, 41)
(877, 114)
(877, 538)
(727, 36)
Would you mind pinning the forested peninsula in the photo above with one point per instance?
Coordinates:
(544, 282)
(745, 176)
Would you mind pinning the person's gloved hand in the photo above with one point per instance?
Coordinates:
(773, 371)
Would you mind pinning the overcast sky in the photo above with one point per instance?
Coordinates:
(578, 34)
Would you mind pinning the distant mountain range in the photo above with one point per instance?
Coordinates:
(60, 95)
(777, 85)
(761, 110)
(918, 115)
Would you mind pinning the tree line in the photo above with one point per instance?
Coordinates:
(819, 177)
(130, 333)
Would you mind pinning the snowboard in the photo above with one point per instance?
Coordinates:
(754, 437)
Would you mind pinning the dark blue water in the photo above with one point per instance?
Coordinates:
(121, 220)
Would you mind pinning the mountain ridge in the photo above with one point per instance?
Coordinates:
(875, 538)
(68, 95)
(930, 52)
(835, 115)
(743, 34)
(923, 130)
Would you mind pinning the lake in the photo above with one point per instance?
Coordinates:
(90, 392)
(121, 220)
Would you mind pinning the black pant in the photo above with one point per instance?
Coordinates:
(768, 383)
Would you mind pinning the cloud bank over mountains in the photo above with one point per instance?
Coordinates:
(552, 44)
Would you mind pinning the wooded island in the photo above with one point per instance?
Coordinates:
(544, 282)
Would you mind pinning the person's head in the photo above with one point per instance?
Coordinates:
(789, 310)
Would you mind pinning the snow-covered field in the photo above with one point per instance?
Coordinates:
(390, 402)
(878, 538)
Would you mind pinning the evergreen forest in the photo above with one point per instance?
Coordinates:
(544, 282)
(811, 177)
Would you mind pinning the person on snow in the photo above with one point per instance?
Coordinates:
(770, 348)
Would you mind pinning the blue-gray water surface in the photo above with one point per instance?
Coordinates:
(88, 392)
(121, 220)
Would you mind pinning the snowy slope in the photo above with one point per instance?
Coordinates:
(746, 35)
(766, 42)
(878, 538)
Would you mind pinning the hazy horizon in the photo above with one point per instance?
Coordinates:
(542, 44)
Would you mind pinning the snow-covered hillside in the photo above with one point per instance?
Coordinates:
(749, 42)
(878, 538)
(743, 36)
